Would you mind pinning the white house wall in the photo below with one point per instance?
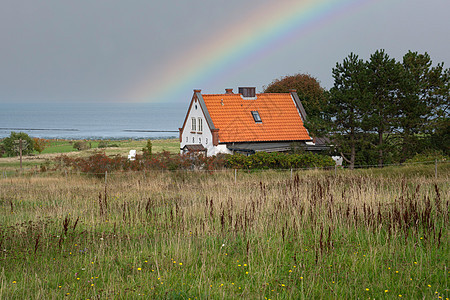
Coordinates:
(190, 137)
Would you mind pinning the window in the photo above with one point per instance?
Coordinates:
(200, 124)
(256, 117)
(193, 124)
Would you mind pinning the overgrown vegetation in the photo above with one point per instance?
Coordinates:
(100, 163)
(184, 234)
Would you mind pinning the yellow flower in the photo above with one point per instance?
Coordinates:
(180, 264)
(239, 265)
(301, 277)
(429, 285)
(78, 278)
(386, 291)
(246, 272)
(14, 282)
(282, 285)
(400, 295)
(92, 284)
(245, 265)
(139, 269)
(367, 289)
(290, 271)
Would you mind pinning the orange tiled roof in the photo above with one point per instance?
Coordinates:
(280, 118)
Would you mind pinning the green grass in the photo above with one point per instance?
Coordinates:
(56, 147)
(181, 235)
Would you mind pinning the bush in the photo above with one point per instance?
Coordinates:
(11, 144)
(80, 145)
(275, 160)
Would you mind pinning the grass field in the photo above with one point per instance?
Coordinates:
(58, 147)
(379, 234)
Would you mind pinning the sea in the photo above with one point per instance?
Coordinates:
(106, 121)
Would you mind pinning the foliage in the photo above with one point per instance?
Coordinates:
(98, 163)
(80, 145)
(11, 144)
(275, 160)
(147, 150)
(404, 105)
(347, 105)
(40, 144)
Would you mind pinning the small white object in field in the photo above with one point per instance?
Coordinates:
(132, 155)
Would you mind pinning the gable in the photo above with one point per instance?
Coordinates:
(234, 116)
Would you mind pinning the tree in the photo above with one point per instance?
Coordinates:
(147, 150)
(425, 94)
(40, 144)
(18, 142)
(312, 95)
(348, 104)
(384, 77)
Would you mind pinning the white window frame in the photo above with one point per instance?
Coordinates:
(200, 124)
(193, 124)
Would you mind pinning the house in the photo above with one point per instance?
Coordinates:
(243, 122)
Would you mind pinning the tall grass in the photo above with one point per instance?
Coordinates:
(180, 235)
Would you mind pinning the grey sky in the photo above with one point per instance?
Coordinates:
(100, 50)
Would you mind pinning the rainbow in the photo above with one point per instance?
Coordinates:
(265, 30)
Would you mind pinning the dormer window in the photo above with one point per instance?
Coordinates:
(256, 117)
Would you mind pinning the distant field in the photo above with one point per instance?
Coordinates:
(377, 234)
(57, 147)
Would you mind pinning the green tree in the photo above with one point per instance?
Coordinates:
(147, 150)
(312, 96)
(348, 104)
(384, 77)
(17, 141)
(425, 103)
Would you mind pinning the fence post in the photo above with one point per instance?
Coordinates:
(235, 176)
(335, 170)
(291, 173)
(106, 177)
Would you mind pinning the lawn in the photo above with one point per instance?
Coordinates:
(269, 235)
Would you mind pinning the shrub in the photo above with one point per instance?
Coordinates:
(11, 144)
(80, 145)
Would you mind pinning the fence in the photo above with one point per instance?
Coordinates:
(35, 171)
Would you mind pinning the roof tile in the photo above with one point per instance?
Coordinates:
(231, 114)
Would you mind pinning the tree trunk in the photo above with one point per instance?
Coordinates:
(380, 151)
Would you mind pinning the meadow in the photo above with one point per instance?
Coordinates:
(380, 233)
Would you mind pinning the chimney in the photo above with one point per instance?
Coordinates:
(228, 91)
(247, 92)
(197, 91)
(292, 91)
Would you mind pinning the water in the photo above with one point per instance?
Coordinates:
(92, 121)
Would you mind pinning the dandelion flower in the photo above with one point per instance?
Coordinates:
(429, 285)
(14, 282)
(245, 265)
(367, 289)
(180, 264)
(400, 295)
(386, 291)
(290, 271)
(139, 269)
(246, 272)
(78, 278)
